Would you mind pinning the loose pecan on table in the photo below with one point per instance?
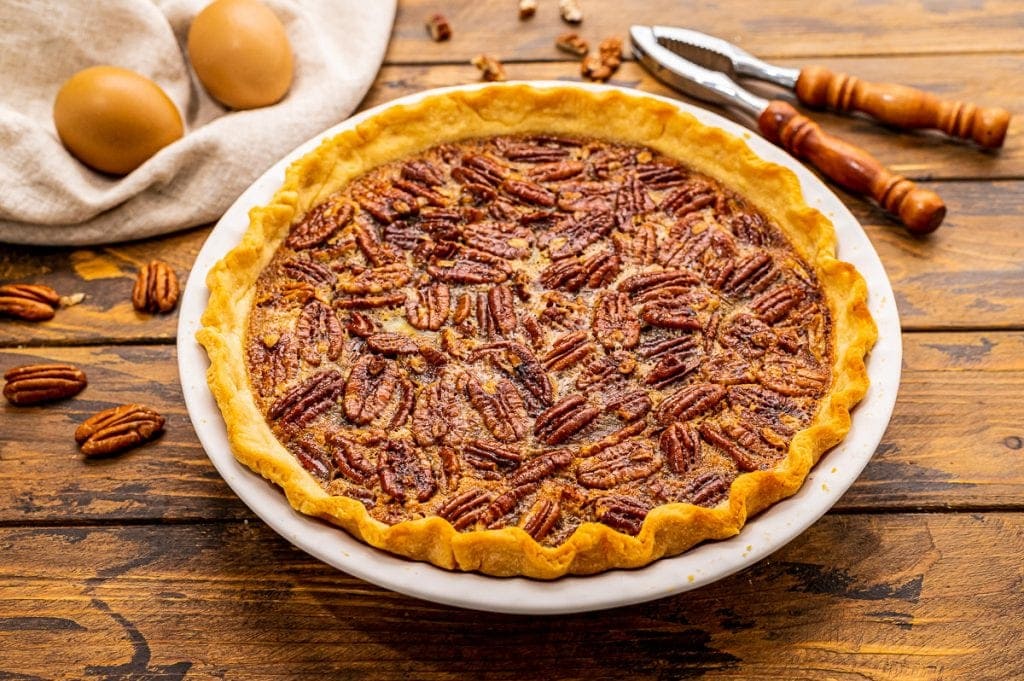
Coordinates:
(570, 11)
(156, 288)
(439, 28)
(490, 68)
(572, 43)
(603, 65)
(38, 383)
(28, 302)
(118, 429)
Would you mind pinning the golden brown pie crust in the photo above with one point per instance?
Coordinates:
(402, 131)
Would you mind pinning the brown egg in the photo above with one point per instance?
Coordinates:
(113, 119)
(241, 53)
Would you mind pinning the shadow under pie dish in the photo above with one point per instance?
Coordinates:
(536, 332)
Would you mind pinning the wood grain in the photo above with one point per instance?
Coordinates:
(896, 596)
(933, 455)
(768, 29)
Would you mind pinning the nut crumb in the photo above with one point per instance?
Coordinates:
(572, 43)
(527, 8)
(439, 28)
(72, 300)
(490, 68)
(570, 11)
(601, 66)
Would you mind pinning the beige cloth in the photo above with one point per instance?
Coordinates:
(48, 197)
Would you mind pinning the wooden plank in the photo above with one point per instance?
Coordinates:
(933, 455)
(986, 80)
(45, 476)
(105, 275)
(896, 596)
(769, 28)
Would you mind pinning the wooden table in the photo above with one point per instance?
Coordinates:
(147, 566)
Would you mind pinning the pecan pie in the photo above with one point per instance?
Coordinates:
(536, 332)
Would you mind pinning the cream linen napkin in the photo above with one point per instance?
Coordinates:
(48, 197)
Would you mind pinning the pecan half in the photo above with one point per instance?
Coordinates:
(573, 234)
(505, 504)
(793, 377)
(615, 323)
(38, 383)
(741, 444)
(568, 350)
(752, 272)
(647, 283)
(630, 460)
(509, 242)
(689, 402)
(572, 274)
(308, 399)
(156, 288)
(313, 458)
(689, 198)
(681, 446)
(469, 266)
(777, 303)
(661, 175)
(640, 247)
(370, 302)
(302, 269)
(375, 280)
(672, 367)
(318, 333)
(707, 489)
(430, 310)
(465, 509)
(437, 408)
(501, 309)
(565, 418)
(541, 518)
(402, 472)
(529, 192)
(318, 225)
(272, 365)
(370, 387)
(557, 171)
(392, 344)
(490, 68)
(349, 459)
(540, 467)
(522, 366)
(490, 456)
(503, 412)
(118, 429)
(384, 201)
(621, 513)
(29, 302)
(630, 406)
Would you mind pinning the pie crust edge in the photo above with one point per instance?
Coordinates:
(403, 130)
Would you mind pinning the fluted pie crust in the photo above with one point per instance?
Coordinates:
(512, 110)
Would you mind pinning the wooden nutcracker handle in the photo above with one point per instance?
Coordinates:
(902, 106)
(920, 210)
